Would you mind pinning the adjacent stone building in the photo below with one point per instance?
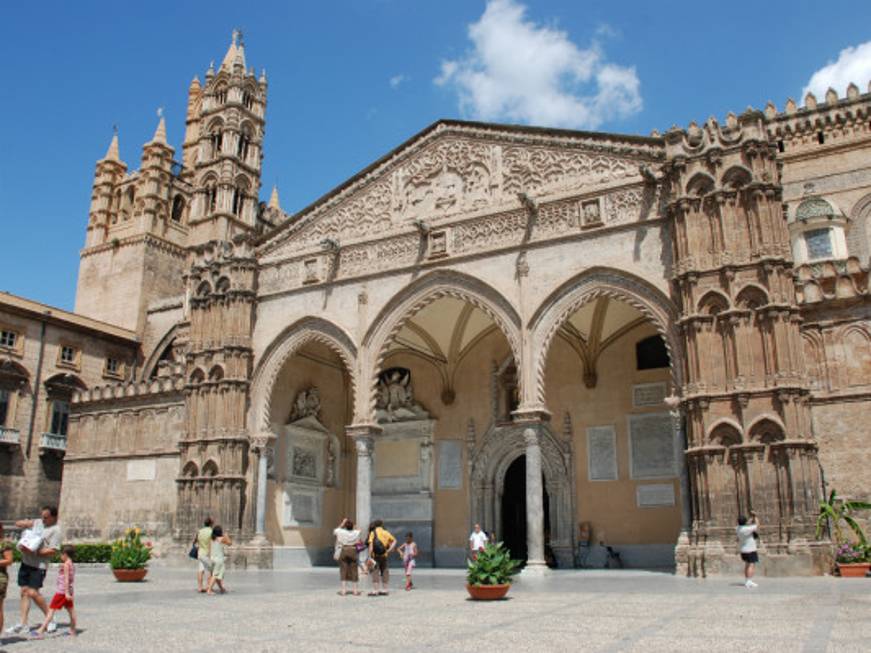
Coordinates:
(46, 355)
(571, 338)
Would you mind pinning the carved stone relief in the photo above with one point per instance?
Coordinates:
(395, 400)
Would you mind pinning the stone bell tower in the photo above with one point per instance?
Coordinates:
(746, 398)
(223, 147)
(223, 143)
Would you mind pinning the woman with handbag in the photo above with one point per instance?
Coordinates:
(345, 553)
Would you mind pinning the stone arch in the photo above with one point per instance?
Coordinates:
(855, 343)
(210, 468)
(416, 296)
(285, 345)
(587, 286)
(216, 373)
(859, 234)
(700, 184)
(766, 429)
(725, 433)
(712, 302)
(190, 470)
(751, 296)
(197, 377)
(157, 353)
(736, 177)
(501, 446)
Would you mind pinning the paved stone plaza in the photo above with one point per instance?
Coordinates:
(568, 611)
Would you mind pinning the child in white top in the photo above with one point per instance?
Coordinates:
(408, 551)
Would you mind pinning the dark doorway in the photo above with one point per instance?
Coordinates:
(514, 510)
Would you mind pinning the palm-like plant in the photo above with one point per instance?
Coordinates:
(493, 566)
(839, 511)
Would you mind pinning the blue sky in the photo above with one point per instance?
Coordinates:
(348, 81)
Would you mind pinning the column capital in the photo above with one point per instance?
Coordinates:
(361, 431)
(531, 416)
(262, 441)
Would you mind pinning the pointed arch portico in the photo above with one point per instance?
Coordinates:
(581, 289)
(411, 300)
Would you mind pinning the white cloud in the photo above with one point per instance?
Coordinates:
(523, 72)
(396, 80)
(853, 65)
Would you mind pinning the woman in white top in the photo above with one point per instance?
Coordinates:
(747, 535)
(346, 555)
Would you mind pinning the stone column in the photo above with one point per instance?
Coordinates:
(677, 421)
(262, 444)
(363, 436)
(531, 420)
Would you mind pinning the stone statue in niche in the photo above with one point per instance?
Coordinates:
(395, 401)
(306, 405)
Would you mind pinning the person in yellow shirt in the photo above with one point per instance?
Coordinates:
(381, 543)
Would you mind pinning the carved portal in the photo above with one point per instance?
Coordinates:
(501, 446)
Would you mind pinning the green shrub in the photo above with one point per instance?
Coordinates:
(86, 552)
(493, 566)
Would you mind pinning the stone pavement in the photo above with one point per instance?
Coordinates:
(565, 611)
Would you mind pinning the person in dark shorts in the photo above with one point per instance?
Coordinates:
(34, 564)
(747, 533)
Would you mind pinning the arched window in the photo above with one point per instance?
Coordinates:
(217, 140)
(221, 95)
(244, 143)
(177, 208)
(247, 99)
(239, 195)
(651, 354)
(211, 196)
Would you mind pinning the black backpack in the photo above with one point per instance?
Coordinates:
(377, 545)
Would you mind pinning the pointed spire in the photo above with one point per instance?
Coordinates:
(112, 153)
(262, 79)
(160, 132)
(233, 51)
(195, 84)
(273, 199)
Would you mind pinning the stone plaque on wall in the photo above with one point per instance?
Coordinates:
(450, 464)
(648, 394)
(141, 470)
(651, 446)
(649, 496)
(601, 453)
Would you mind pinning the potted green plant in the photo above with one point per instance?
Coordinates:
(851, 554)
(488, 576)
(130, 555)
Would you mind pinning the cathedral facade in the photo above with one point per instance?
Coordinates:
(574, 339)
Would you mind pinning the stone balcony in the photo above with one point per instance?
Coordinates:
(53, 443)
(9, 437)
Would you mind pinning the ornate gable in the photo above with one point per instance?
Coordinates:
(453, 170)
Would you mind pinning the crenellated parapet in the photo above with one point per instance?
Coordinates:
(832, 120)
(136, 391)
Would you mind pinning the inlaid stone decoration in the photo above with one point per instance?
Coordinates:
(601, 453)
(450, 464)
(651, 446)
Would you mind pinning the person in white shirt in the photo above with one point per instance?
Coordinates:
(477, 541)
(747, 536)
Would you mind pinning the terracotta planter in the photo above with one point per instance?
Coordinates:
(129, 575)
(853, 569)
(487, 592)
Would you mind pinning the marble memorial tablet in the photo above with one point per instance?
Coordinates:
(141, 470)
(601, 453)
(450, 464)
(648, 394)
(648, 496)
(651, 445)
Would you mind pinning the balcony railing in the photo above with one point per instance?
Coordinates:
(53, 442)
(9, 436)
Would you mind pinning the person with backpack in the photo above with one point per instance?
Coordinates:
(381, 544)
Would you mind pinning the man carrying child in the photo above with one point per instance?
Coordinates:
(45, 540)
